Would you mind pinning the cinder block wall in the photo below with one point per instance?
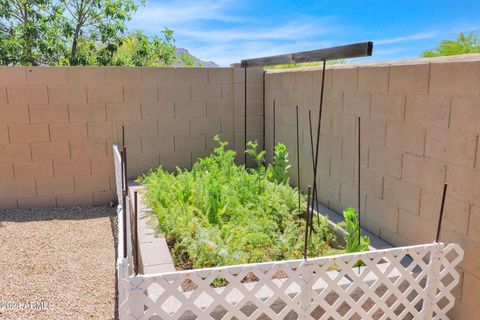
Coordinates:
(57, 126)
(420, 122)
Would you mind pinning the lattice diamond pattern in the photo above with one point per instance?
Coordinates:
(401, 283)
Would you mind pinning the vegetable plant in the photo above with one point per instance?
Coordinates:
(219, 213)
(354, 243)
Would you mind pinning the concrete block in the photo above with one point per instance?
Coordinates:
(191, 142)
(123, 75)
(88, 149)
(409, 138)
(68, 131)
(373, 131)
(470, 303)
(404, 195)
(317, 79)
(204, 92)
(220, 75)
(409, 78)
(160, 111)
(14, 115)
(29, 133)
(48, 114)
(158, 145)
(451, 146)
(227, 124)
(6, 172)
(102, 166)
(17, 189)
(173, 127)
(190, 109)
(104, 198)
(71, 168)
(427, 110)
(49, 151)
(33, 170)
(474, 224)
(373, 79)
(101, 130)
(140, 93)
(385, 160)
(415, 228)
(160, 75)
(465, 114)
(46, 75)
(218, 109)
(32, 94)
(387, 106)
(228, 92)
(342, 125)
(13, 75)
(3, 96)
(44, 202)
(382, 212)
(86, 75)
(426, 173)
(130, 111)
(357, 103)
(142, 128)
(329, 188)
(182, 160)
(456, 212)
(54, 186)
(345, 79)
(463, 183)
(455, 78)
(371, 182)
(104, 93)
(85, 184)
(59, 94)
(15, 152)
(87, 112)
(205, 125)
(343, 171)
(173, 92)
(141, 164)
(74, 199)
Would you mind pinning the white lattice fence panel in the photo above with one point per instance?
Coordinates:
(402, 283)
(117, 159)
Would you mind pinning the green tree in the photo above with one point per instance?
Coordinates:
(100, 21)
(78, 32)
(31, 32)
(463, 44)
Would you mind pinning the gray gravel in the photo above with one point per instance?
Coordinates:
(61, 260)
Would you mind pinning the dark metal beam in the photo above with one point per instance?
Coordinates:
(356, 50)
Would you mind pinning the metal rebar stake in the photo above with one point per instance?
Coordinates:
(245, 121)
(135, 231)
(315, 169)
(440, 218)
(273, 149)
(359, 185)
(307, 223)
(315, 190)
(298, 160)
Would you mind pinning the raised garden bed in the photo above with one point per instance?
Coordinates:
(220, 213)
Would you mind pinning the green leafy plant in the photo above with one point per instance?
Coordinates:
(465, 43)
(354, 243)
(219, 213)
(278, 172)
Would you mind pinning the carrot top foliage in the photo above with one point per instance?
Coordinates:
(219, 213)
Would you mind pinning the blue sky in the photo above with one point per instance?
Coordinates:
(226, 31)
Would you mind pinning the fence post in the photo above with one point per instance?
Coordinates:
(306, 288)
(433, 279)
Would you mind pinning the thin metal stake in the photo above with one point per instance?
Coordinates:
(263, 146)
(358, 189)
(315, 190)
(245, 120)
(135, 231)
(307, 223)
(274, 121)
(124, 207)
(298, 160)
(441, 212)
(315, 169)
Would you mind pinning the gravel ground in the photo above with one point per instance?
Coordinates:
(61, 260)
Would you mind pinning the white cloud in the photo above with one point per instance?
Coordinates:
(412, 37)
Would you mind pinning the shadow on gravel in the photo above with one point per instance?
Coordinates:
(45, 214)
